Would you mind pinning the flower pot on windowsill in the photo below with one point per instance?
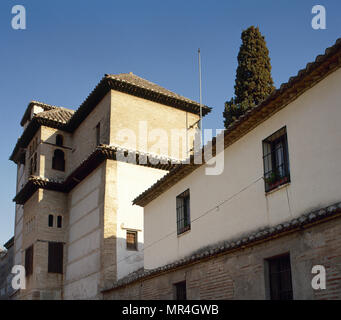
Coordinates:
(277, 183)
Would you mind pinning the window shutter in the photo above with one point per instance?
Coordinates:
(55, 257)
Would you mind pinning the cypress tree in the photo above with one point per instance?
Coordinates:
(253, 79)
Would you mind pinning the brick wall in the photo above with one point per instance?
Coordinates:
(242, 275)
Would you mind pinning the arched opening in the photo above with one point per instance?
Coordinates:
(58, 161)
(50, 220)
(59, 140)
(59, 221)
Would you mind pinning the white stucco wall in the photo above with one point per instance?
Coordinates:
(314, 135)
(83, 255)
(131, 181)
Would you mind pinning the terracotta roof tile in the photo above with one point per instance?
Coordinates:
(251, 238)
(58, 114)
(143, 83)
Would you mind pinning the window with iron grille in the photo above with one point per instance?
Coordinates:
(180, 291)
(131, 240)
(55, 257)
(183, 219)
(280, 278)
(276, 160)
(29, 260)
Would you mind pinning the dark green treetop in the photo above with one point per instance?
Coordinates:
(253, 79)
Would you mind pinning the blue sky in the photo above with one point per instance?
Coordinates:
(69, 45)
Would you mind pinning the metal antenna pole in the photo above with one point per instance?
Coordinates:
(200, 90)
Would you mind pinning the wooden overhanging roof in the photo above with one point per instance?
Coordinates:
(306, 78)
(127, 83)
(9, 243)
(100, 154)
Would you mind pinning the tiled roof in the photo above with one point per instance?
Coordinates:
(252, 238)
(143, 83)
(32, 103)
(68, 120)
(60, 114)
(305, 79)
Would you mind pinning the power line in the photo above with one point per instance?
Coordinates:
(214, 208)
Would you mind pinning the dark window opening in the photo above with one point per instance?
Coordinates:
(35, 163)
(55, 257)
(58, 161)
(59, 140)
(280, 278)
(131, 240)
(31, 166)
(183, 212)
(29, 260)
(59, 221)
(276, 160)
(50, 220)
(180, 291)
(98, 134)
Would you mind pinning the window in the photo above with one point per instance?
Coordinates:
(59, 221)
(276, 160)
(131, 240)
(50, 220)
(58, 162)
(98, 134)
(183, 212)
(31, 166)
(59, 140)
(35, 163)
(180, 291)
(55, 258)
(280, 278)
(29, 260)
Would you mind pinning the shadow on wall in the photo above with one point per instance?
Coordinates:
(129, 256)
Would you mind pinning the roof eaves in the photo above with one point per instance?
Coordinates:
(277, 100)
(250, 239)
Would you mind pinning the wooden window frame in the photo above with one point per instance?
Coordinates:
(275, 173)
(132, 246)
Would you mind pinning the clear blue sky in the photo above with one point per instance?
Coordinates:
(69, 45)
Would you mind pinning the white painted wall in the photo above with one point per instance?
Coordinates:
(131, 181)
(314, 135)
(83, 255)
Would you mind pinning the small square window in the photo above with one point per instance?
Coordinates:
(132, 240)
(276, 160)
(280, 278)
(183, 212)
(180, 291)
